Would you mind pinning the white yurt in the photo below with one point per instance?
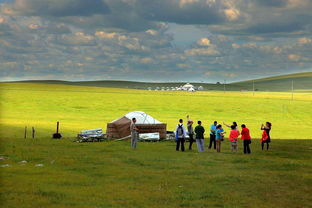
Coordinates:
(187, 86)
(200, 88)
(191, 89)
(146, 124)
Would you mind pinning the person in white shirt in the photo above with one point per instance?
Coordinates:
(134, 134)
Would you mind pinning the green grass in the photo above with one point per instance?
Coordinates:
(78, 108)
(110, 174)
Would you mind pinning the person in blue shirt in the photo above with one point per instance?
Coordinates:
(219, 137)
(213, 135)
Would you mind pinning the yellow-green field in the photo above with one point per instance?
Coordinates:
(62, 173)
(78, 108)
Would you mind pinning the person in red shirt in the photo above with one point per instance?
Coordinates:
(266, 134)
(247, 139)
(233, 137)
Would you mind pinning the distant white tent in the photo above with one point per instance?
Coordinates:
(191, 89)
(200, 88)
(187, 86)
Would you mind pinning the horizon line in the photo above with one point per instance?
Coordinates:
(156, 82)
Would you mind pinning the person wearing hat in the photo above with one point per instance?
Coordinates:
(190, 132)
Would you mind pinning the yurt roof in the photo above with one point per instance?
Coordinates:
(141, 117)
(188, 85)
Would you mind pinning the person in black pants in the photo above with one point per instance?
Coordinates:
(247, 139)
(246, 146)
(190, 133)
(180, 136)
(213, 129)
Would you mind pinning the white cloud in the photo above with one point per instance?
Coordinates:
(304, 40)
(33, 26)
(294, 57)
(277, 50)
(298, 3)
(201, 52)
(102, 34)
(203, 42)
(2, 20)
(235, 46)
(133, 38)
(152, 32)
(146, 60)
(183, 3)
(232, 14)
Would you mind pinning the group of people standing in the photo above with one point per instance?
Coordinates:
(217, 135)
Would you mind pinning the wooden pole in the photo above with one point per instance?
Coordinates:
(292, 90)
(25, 133)
(253, 88)
(33, 132)
(57, 127)
(224, 85)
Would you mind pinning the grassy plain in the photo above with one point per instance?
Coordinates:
(78, 108)
(110, 174)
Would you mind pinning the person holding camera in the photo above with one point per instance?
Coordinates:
(213, 129)
(233, 137)
(266, 134)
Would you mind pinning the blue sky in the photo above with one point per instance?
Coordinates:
(154, 40)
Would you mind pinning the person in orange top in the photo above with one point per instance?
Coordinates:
(247, 139)
(233, 138)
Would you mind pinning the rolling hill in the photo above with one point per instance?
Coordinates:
(302, 82)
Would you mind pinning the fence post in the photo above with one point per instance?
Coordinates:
(292, 90)
(33, 132)
(25, 133)
(253, 88)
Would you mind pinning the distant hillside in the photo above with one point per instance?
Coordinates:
(145, 85)
(302, 82)
(128, 84)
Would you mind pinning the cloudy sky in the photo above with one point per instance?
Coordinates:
(154, 40)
